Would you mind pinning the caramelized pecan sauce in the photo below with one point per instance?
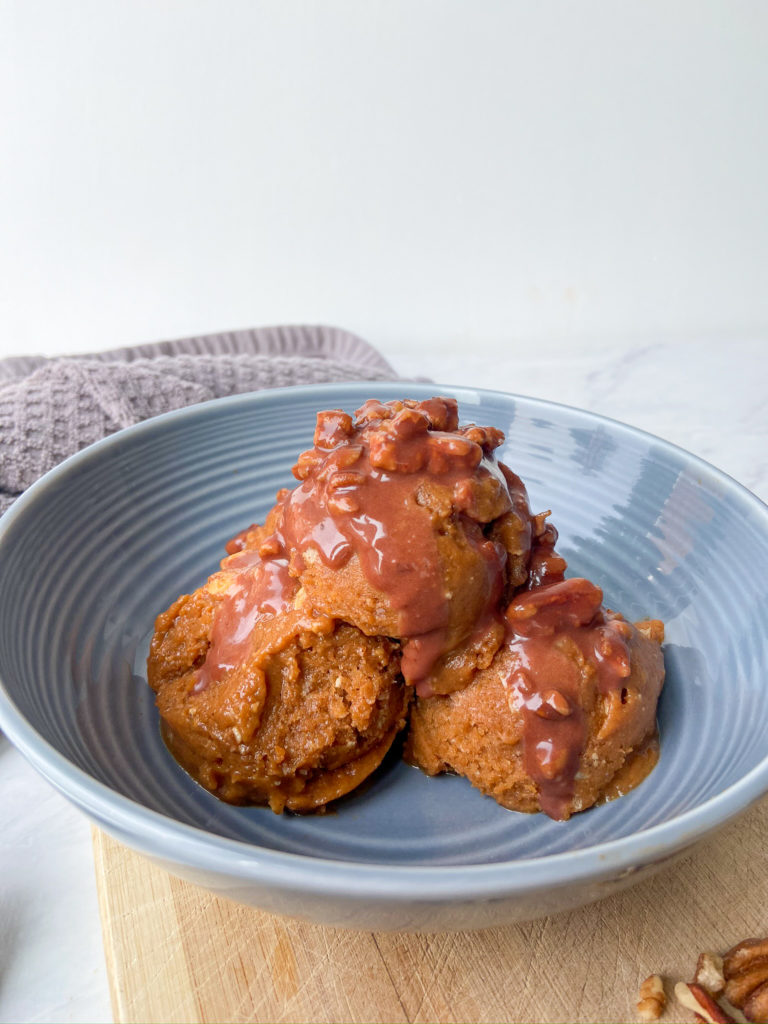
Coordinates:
(258, 588)
(369, 489)
(557, 632)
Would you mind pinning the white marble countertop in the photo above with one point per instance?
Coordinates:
(706, 395)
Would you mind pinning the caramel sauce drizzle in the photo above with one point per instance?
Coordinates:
(259, 588)
(556, 631)
(360, 493)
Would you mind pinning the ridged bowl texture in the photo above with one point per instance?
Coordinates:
(98, 547)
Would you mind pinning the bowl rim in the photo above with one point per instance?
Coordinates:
(159, 836)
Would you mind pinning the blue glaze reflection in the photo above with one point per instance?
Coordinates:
(593, 449)
(622, 544)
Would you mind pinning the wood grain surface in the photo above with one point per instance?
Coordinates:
(177, 953)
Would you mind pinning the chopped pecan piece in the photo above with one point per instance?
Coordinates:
(744, 954)
(745, 967)
(709, 973)
(652, 1001)
(696, 998)
(755, 1008)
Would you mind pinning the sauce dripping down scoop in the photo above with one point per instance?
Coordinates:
(409, 494)
(561, 638)
(256, 589)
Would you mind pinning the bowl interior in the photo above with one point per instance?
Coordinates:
(112, 538)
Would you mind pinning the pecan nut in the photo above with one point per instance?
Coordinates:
(709, 973)
(696, 998)
(652, 1001)
(745, 967)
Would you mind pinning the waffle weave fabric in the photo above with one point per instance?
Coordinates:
(51, 408)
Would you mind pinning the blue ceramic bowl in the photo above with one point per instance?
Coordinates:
(95, 549)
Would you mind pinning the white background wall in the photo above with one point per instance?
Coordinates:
(432, 174)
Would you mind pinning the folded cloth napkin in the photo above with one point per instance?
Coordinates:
(51, 408)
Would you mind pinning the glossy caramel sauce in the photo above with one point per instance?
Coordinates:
(363, 492)
(258, 588)
(557, 632)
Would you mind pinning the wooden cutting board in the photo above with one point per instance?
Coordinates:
(177, 953)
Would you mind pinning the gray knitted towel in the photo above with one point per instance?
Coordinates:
(51, 408)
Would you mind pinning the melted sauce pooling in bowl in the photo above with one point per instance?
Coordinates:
(636, 768)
